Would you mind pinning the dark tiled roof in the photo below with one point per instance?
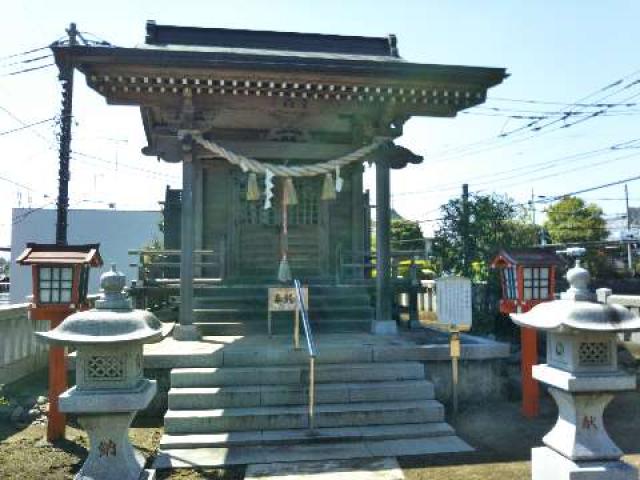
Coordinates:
(527, 257)
(269, 40)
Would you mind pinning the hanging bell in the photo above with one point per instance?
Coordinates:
(328, 188)
(290, 196)
(253, 191)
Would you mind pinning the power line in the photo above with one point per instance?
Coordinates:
(26, 70)
(24, 124)
(526, 169)
(28, 60)
(542, 102)
(6, 132)
(590, 189)
(125, 165)
(495, 142)
(17, 184)
(27, 52)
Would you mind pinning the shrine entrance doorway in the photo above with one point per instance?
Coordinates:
(258, 233)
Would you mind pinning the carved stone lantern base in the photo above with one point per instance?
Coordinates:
(547, 464)
(106, 417)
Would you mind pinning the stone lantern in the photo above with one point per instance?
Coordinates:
(110, 387)
(582, 374)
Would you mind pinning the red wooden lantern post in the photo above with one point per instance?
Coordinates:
(528, 278)
(60, 276)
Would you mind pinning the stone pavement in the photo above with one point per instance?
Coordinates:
(368, 469)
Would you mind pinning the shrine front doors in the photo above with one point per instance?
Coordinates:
(258, 232)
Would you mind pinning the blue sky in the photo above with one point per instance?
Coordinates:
(555, 51)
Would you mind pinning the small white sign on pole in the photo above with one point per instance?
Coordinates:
(453, 302)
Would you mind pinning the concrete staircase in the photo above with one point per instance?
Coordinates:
(253, 408)
(242, 310)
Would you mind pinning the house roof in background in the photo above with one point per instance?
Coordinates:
(526, 257)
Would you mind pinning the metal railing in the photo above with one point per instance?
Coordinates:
(311, 349)
(355, 266)
(163, 266)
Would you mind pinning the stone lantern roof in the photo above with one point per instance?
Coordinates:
(113, 320)
(577, 310)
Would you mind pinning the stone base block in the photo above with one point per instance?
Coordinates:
(547, 464)
(186, 333)
(386, 327)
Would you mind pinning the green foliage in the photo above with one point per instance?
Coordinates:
(406, 235)
(426, 269)
(494, 222)
(572, 220)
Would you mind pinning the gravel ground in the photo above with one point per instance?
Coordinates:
(501, 436)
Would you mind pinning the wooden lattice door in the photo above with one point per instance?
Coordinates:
(258, 231)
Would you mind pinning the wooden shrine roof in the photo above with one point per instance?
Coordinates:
(194, 55)
(51, 254)
(242, 86)
(528, 257)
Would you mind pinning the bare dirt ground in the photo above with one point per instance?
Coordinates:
(501, 436)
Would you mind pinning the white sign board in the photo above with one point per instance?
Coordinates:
(453, 302)
(284, 299)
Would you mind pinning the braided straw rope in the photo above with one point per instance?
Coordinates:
(251, 165)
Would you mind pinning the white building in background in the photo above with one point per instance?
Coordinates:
(116, 231)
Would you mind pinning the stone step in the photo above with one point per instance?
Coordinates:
(346, 352)
(251, 312)
(280, 326)
(244, 291)
(260, 301)
(295, 416)
(296, 375)
(261, 395)
(303, 436)
(220, 457)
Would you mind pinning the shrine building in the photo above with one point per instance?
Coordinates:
(272, 130)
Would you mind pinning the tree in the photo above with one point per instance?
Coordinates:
(406, 235)
(572, 220)
(494, 222)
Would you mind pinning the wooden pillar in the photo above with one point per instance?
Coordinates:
(528, 358)
(383, 323)
(198, 213)
(56, 420)
(358, 229)
(186, 330)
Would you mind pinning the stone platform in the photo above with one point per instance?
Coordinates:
(243, 399)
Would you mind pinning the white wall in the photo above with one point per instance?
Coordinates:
(115, 231)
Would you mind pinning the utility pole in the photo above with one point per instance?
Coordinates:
(629, 256)
(65, 67)
(533, 210)
(466, 250)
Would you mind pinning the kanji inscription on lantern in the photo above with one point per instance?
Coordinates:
(589, 423)
(107, 448)
(284, 299)
(453, 302)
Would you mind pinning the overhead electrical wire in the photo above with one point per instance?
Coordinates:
(525, 169)
(24, 127)
(28, 60)
(26, 70)
(27, 52)
(463, 150)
